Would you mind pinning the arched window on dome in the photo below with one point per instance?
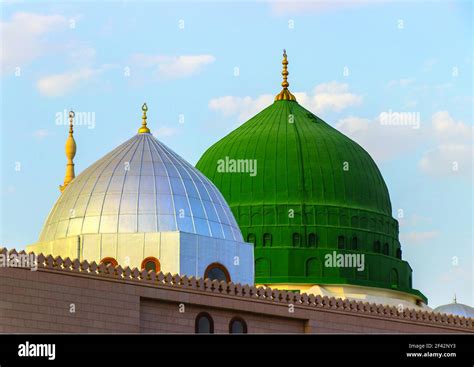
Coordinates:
(296, 240)
(399, 253)
(216, 271)
(394, 278)
(385, 249)
(377, 246)
(237, 326)
(151, 263)
(354, 243)
(267, 240)
(109, 261)
(251, 238)
(341, 242)
(312, 240)
(204, 324)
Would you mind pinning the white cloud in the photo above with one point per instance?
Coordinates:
(64, 83)
(412, 238)
(23, 38)
(383, 142)
(453, 154)
(451, 142)
(172, 67)
(332, 96)
(243, 107)
(448, 160)
(445, 128)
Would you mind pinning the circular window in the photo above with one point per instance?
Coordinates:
(109, 261)
(237, 326)
(151, 263)
(204, 324)
(217, 271)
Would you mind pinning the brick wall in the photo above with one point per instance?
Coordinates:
(114, 300)
(165, 317)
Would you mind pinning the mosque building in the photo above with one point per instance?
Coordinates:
(284, 226)
(144, 206)
(317, 195)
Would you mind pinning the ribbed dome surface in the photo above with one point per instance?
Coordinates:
(300, 159)
(141, 186)
(314, 191)
(457, 309)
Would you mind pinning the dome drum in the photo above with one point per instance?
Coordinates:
(178, 252)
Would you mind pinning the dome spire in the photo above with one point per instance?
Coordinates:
(70, 150)
(144, 129)
(285, 94)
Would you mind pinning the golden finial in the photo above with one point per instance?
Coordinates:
(70, 149)
(144, 128)
(285, 94)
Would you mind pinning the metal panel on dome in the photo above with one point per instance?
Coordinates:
(141, 186)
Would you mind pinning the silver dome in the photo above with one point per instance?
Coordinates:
(141, 186)
(457, 309)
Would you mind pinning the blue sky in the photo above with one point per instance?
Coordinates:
(206, 67)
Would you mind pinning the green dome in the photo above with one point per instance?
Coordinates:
(300, 160)
(301, 190)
